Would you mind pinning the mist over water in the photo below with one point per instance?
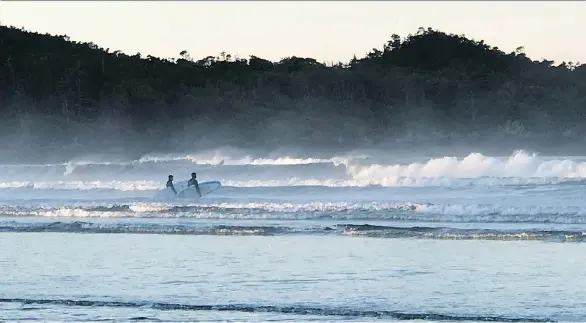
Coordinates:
(349, 170)
(390, 187)
(523, 189)
(95, 220)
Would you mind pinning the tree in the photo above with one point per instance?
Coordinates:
(427, 80)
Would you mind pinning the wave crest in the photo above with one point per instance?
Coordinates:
(475, 165)
(149, 173)
(419, 212)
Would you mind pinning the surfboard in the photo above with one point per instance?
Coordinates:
(205, 188)
(183, 191)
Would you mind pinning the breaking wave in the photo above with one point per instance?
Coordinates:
(148, 172)
(421, 212)
(151, 185)
(520, 189)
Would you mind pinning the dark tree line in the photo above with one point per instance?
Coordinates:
(70, 97)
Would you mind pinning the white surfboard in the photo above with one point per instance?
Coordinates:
(183, 191)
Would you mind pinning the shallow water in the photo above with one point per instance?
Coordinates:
(88, 277)
(475, 238)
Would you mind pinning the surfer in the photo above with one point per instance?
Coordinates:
(193, 181)
(170, 184)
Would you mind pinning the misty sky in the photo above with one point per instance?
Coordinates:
(328, 31)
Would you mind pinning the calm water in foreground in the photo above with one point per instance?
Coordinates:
(126, 277)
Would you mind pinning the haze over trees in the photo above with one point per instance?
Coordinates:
(60, 99)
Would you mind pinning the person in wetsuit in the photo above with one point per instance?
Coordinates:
(170, 184)
(193, 181)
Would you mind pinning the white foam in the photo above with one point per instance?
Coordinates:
(246, 160)
(316, 210)
(390, 181)
(148, 208)
(85, 185)
(393, 181)
(519, 165)
(473, 170)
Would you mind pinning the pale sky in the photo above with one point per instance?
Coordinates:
(327, 31)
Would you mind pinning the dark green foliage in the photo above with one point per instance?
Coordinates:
(55, 93)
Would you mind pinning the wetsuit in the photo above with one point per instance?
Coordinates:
(170, 184)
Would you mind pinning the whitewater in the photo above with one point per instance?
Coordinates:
(354, 237)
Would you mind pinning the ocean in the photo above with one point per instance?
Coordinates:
(356, 238)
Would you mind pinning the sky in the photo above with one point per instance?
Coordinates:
(328, 31)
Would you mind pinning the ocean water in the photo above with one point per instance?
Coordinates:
(357, 238)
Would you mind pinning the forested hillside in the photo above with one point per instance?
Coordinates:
(60, 98)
